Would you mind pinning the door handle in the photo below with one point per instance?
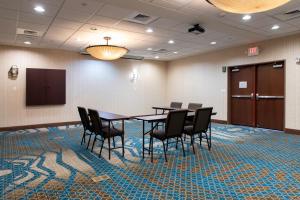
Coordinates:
(242, 96)
(269, 97)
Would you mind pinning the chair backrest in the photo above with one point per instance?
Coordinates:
(175, 123)
(84, 118)
(194, 106)
(202, 119)
(96, 122)
(176, 104)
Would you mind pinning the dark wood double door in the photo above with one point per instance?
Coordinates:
(256, 95)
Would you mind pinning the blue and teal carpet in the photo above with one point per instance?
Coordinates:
(244, 163)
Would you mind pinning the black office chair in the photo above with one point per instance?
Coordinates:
(192, 106)
(176, 105)
(104, 132)
(200, 126)
(173, 129)
(87, 128)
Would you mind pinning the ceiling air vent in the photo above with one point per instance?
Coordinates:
(286, 16)
(141, 18)
(29, 33)
(133, 57)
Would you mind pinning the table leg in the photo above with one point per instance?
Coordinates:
(150, 135)
(209, 135)
(123, 130)
(143, 139)
(109, 140)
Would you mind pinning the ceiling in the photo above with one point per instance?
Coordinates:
(66, 24)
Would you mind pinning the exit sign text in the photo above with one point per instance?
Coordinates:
(253, 51)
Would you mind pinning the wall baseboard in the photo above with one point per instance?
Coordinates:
(15, 128)
(292, 131)
(219, 121)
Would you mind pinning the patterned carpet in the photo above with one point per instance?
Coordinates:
(244, 163)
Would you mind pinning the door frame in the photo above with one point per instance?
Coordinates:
(229, 121)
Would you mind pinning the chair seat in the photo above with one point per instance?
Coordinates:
(113, 132)
(188, 130)
(188, 123)
(158, 134)
(104, 123)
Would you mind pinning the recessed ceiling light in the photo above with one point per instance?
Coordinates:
(93, 29)
(156, 57)
(39, 9)
(171, 42)
(176, 52)
(149, 49)
(247, 17)
(149, 30)
(213, 43)
(275, 27)
(27, 42)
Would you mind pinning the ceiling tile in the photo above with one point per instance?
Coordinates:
(10, 4)
(7, 38)
(87, 6)
(103, 21)
(165, 23)
(290, 6)
(284, 28)
(34, 18)
(295, 21)
(114, 12)
(8, 26)
(70, 29)
(170, 4)
(50, 9)
(32, 26)
(63, 23)
(8, 14)
(70, 14)
(58, 34)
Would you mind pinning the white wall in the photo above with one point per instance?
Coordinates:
(200, 78)
(106, 85)
(90, 83)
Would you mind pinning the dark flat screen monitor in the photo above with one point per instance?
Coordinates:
(45, 87)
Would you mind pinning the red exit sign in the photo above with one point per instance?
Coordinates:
(253, 51)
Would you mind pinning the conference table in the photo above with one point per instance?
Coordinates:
(110, 118)
(163, 108)
(156, 119)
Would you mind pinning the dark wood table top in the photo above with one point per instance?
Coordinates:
(164, 108)
(112, 116)
(170, 108)
(153, 118)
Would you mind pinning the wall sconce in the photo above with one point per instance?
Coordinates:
(134, 76)
(298, 61)
(13, 72)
